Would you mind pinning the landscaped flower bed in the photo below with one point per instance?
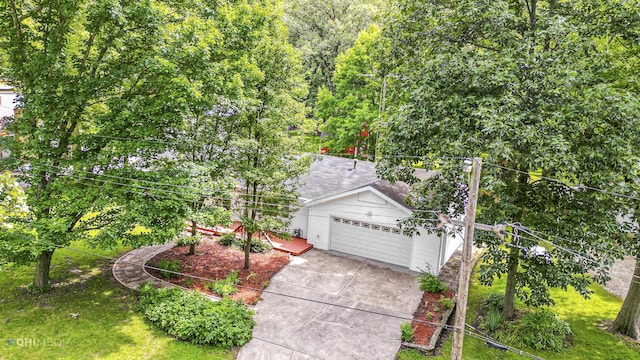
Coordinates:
(430, 317)
(217, 262)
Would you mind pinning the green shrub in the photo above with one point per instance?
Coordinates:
(190, 316)
(431, 283)
(227, 239)
(188, 282)
(257, 245)
(542, 330)
(493, 320)
(170, 265)
(493, 302)
(407, 331)
(446, 302)
(185, 240)
(220, 287)
(224, 287)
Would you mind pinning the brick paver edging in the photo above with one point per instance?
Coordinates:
(130, 271)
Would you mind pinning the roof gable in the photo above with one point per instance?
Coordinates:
(368, 188)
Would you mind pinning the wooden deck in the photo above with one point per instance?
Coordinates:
(296, 246)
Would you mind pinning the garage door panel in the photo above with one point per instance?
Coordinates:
(369, 240)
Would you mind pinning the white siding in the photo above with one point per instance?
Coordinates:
(319, 226)
(300, 221)
(426, 252)
(452, 244)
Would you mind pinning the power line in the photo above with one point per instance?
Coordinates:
(536, 239)
(449, 327)
(180, 193)
(592, 188)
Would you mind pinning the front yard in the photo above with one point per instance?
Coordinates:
(87, 315)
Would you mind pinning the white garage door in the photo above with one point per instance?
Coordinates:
(383, 243)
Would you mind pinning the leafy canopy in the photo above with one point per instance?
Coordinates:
(529, 87)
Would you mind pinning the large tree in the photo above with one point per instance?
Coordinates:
(96, 85)
(527, 85)
(351, 112)
(322, 30)
(620, 21)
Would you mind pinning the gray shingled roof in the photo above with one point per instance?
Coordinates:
(331, 175)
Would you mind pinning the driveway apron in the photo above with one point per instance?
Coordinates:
(328, 306)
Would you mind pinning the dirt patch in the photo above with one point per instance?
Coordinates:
(214, 261)
(431, 310)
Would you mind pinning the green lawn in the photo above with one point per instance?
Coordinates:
(589, 342)
(89, 315)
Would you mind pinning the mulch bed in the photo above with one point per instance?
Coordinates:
(216, 262)
(429, 310)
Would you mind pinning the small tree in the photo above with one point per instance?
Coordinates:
(260, 155)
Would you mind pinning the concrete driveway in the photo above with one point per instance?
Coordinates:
(330, 326)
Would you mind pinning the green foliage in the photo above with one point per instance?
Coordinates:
(15, 241)
(590, 342)
(351, 112)
(410, 354)
(220, 287)
(257, 245)
(493, 302)
(228, 239)
(493, 320)
(336, 24)
(446, 302)
(430, 283)
(406, 331)
(522, 90)
(95, 83)
(188, 282)
(32, 289)
(184, 240)
(190, 316)
(173, 266)
(106, 323)
(541, 329)
(224, 287)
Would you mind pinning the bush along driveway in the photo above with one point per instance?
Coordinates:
(330, 306)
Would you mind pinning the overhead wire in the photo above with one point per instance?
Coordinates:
(592, 188)
(574, 253)
(61, 172)
(322, 302)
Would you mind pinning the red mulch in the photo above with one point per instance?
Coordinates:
(429, 310)
(215, 261)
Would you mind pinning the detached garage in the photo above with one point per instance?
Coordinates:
(374, 241)
(347, 208)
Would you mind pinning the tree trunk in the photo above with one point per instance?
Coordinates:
(194, 232)
(247, 250)
(509, 305)
(43, 266)
(628, 320)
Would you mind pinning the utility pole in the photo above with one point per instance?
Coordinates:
(465, 264)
